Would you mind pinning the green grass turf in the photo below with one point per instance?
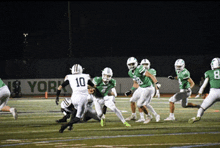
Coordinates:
(36, 127)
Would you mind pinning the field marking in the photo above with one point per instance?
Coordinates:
(197, 145)
(108, 137)
(102, 129)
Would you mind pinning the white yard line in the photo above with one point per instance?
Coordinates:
(118, 136)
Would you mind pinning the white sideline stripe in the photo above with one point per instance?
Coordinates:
(118, 136)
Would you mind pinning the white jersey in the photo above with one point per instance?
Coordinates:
(78, 83)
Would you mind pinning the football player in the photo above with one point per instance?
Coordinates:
(142, 89)
(67, 108)
(213, 78)
(4, 97)
(146, 65)
(185, 85)
(105, 95)
(79, 84)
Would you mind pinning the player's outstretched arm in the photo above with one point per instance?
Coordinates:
(64, 84)
(202, 88)
(135, 86)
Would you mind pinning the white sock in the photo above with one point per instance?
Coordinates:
(151, 109)
(142, 115)
(200, 112)
(134, 114)
(171, 114)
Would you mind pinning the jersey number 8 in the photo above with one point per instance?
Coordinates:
(216, 74)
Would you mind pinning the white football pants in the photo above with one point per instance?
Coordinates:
(79, 101)
(214, 96)
(108, 101)
(4, 96)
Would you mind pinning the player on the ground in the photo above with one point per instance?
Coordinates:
(213, 78)
(146, 65)
(144, 89)
(4, 97)
(185, 85)
(79, 84)
(105, 95)
(67, 107)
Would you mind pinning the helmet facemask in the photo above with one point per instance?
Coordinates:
(132, 63)
(179, 65)
(145, 63)
(215, 64)
(107, 75)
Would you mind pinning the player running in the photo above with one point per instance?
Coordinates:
(185, 85)
(79, 84)
(213, 78)
(146, 65)
(144, 89)
(105, 95)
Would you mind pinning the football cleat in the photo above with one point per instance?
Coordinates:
(194, 119)
(127, 125)
(157, 118)
(148, 119)
(63, 127)
(70, 128)
(170, 119)
(14, 113)
(132, 117)
(102, 122)
(140, 120)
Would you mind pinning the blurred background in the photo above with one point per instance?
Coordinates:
(43, 39)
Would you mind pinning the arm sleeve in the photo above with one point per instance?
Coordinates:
(90, 83)
(58, 93)
(65, 83)
(203, 85)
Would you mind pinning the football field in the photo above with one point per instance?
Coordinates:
(36, 127)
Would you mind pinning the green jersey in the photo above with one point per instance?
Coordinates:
(102, 87)
(183, 77)
(1, 83)
(138, 75)
(214, 78)
(153, 72)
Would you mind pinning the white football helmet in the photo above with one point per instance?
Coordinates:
(215, 63)
(132, 63)
(107, 74)
(179, 65)
(145, 63)
(76, 69)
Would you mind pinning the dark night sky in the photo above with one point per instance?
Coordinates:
(113, 28)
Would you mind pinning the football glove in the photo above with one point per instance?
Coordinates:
(197, 96)
(57, 100)
(127, 93)
(157, 94)
(170, 77)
